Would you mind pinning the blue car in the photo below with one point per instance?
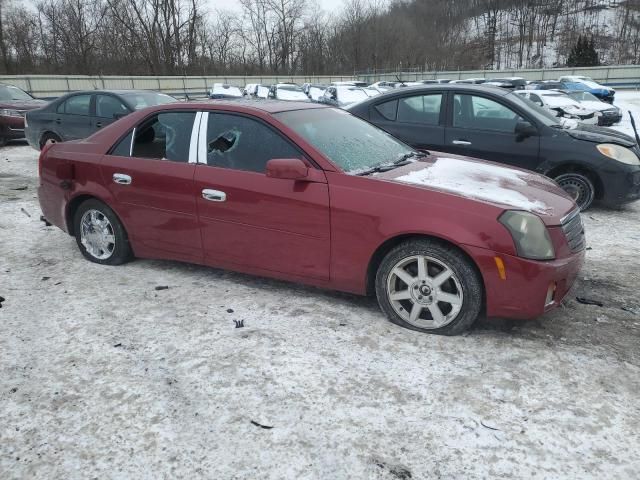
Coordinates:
(586, 84)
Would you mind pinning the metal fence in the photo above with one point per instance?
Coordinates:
(49, 86)
(622, 76)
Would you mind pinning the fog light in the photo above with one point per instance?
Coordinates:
(551, 293)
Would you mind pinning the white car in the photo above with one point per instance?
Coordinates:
(610, 114)
(561, 105)
(343, 95)
(350, 83)
(223, 90)
(262, 91)
(250, 89)
(287, 91)
(316, 91)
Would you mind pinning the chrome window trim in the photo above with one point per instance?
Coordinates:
(202, 138)
(193, 144)
(133, 137)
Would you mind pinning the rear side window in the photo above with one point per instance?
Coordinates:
(165, 136)
(424, 109)
(76, 105)
(388, 109)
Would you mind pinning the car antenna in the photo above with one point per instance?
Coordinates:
(402, 82)
(633, 124)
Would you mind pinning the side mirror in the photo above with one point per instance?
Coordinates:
(525, 129)
(287, 168)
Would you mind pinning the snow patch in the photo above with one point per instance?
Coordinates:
(477, 180)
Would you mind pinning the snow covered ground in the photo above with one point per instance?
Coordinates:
(103, 376)
(628, 101)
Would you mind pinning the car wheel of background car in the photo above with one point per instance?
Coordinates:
(579, 187)
(49, 136)
(100, 234)
(429, 286)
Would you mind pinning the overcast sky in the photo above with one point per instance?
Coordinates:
(327, 5)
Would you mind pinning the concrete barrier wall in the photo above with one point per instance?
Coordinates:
(624, 76)
(49, 86)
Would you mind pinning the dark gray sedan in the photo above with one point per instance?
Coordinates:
(79, 114)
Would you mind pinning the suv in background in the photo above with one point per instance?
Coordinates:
(14, 103)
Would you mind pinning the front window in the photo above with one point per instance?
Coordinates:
(480, 113)
(352, 144)
(9, 93)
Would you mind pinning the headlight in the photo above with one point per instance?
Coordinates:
(529, 234)
(619, 153)
(7, 112)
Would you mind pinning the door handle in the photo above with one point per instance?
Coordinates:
(98, 124)
(461, 142)
(122, 179)
(58, 121)
(214, 195)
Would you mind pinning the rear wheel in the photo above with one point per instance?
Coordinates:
(579, 187)
(427, 286)
(100, 235)
(49, 137)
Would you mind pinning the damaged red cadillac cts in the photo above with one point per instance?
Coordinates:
(312, 194)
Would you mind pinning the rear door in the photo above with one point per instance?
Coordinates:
(415, 119)
(483, 127)
(73, 117)
(150, 174)
(249, 219)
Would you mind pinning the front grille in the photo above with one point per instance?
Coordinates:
(574, 231)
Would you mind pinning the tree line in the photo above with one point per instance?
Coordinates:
(188, 37)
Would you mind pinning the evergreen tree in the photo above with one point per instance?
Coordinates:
(583, 54)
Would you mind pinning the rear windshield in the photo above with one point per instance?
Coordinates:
(139, 100)
(9, 92)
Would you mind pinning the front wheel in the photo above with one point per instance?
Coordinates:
(428, 286)
(579, 187)
(100, 235)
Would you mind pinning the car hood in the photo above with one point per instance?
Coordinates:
(479, 180)
(23, 104)
(599, 106)
(601, 135)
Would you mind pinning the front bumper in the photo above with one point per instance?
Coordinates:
(12, 127)
(621, 184)
(523, 294)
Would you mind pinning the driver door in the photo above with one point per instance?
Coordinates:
(484, 128)
(252, 221)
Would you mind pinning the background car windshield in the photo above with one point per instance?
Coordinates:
(352, 144)
(584, 97)
(293, 88)
(559, 100)
(147, 99)
(8, 93)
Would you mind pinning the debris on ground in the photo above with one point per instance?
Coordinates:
(25, 212)
(18, 188)
(266, 427)
(162, 287)
(1, 300)
(488, 426)
(399, 472)
(44, 279)
(117, 345)
(239, 323)
(229, 310)
(589, 301)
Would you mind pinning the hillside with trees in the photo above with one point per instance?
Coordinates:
(176, 37)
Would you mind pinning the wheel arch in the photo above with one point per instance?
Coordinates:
(45, 132)
(577, 167)
(74, 204)
(390, 243)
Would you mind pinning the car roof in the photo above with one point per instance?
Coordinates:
(117, 92)
(268, 106)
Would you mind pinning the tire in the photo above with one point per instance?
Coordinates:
(421, 291)
(100, 235)
(579, 187)
(49, 136)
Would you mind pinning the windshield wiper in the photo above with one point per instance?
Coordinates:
(385, 167)
(409, 155)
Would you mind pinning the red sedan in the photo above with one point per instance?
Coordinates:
(312, 194)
